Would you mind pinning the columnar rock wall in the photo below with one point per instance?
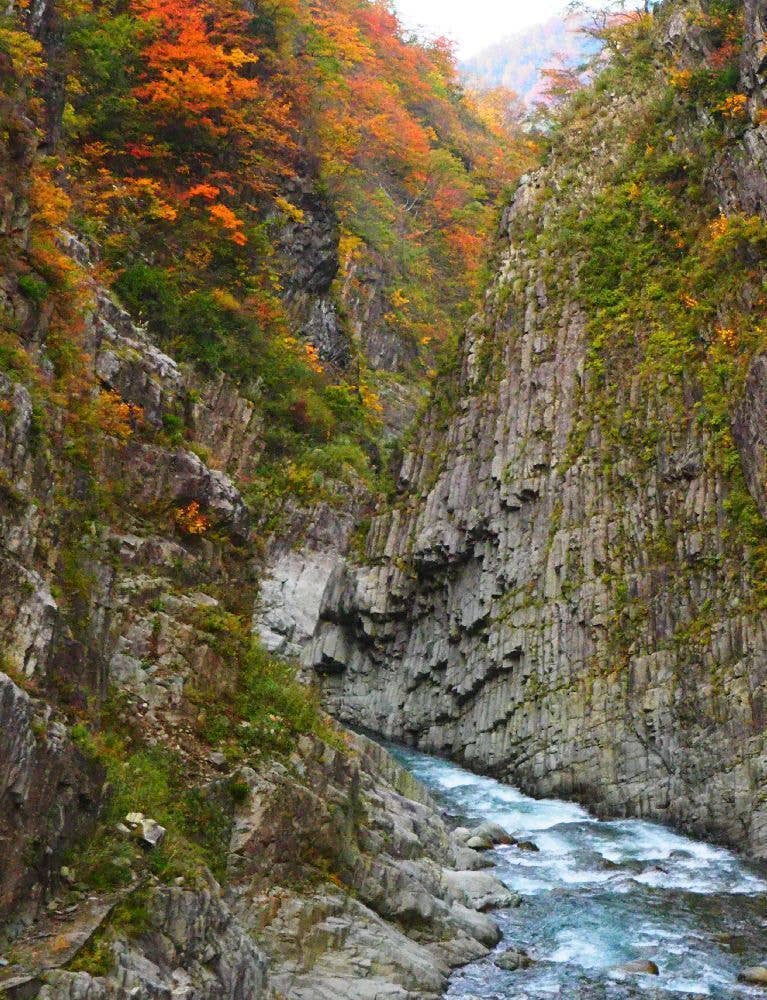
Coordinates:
(545, 604)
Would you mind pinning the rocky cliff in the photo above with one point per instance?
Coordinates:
(178, 817)
(326, 869)
(328, 864)
(569, 589)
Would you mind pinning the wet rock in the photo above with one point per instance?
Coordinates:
(527, 845)
(477, 843)
(513, 959)
(495, 832)
(479, 891)
(640, 966)
(470, 860)
(485, 836)
(754, 976)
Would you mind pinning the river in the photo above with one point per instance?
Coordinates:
(602, 893)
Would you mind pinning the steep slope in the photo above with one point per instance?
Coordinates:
(518, 62)
(569, 590)
(177, 814)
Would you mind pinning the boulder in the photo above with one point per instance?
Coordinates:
(479, 843)
(145, 829)
(754, 976)
(469, 860)
(478, 890)
(494, 832)
(640, 967)
(513, 959)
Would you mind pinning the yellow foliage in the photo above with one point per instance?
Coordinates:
(116, 417)
(371, 400)
(727, 337)
(289, 209)
(680, 79)
(24, 51)
(349, 247)
(718, 227)
(225, 299)
(735, 106)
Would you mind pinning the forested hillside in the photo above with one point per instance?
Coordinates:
(519, 61)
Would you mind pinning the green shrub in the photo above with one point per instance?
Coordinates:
(152, 781)
(151, 294)
(34, 288)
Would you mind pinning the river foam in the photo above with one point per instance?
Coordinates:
(598, 894)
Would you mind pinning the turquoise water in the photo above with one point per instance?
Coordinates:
(603, 893)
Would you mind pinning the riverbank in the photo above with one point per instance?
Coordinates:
(604, 901)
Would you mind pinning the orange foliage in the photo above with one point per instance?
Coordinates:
(116, 417)
(680, 79)
(735, 106)
(190, 520)
(222, 106)
(718, 228)
(207, 191)
(727, 337)
(226, 218)
(313, 359)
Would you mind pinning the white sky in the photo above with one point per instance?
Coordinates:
(473, 24)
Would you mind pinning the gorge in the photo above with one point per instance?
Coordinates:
(291, 463)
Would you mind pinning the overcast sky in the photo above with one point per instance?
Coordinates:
(473, 24)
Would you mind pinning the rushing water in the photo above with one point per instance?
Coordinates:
(599, 894)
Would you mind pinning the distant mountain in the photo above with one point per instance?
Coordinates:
(516, 61)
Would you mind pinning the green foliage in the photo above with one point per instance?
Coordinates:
(152, 295)
(263, 707)
(34, 288)
(673, 291)
(96, 958)
(153, 781)
(129, 919)
(341, 460)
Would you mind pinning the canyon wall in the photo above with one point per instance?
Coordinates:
(567, 591)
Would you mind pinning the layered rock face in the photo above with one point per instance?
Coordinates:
(340, 872)
(560, 597)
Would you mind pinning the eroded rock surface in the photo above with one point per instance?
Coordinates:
(548, 600)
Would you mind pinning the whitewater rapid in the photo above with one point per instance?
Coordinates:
(599, 894)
